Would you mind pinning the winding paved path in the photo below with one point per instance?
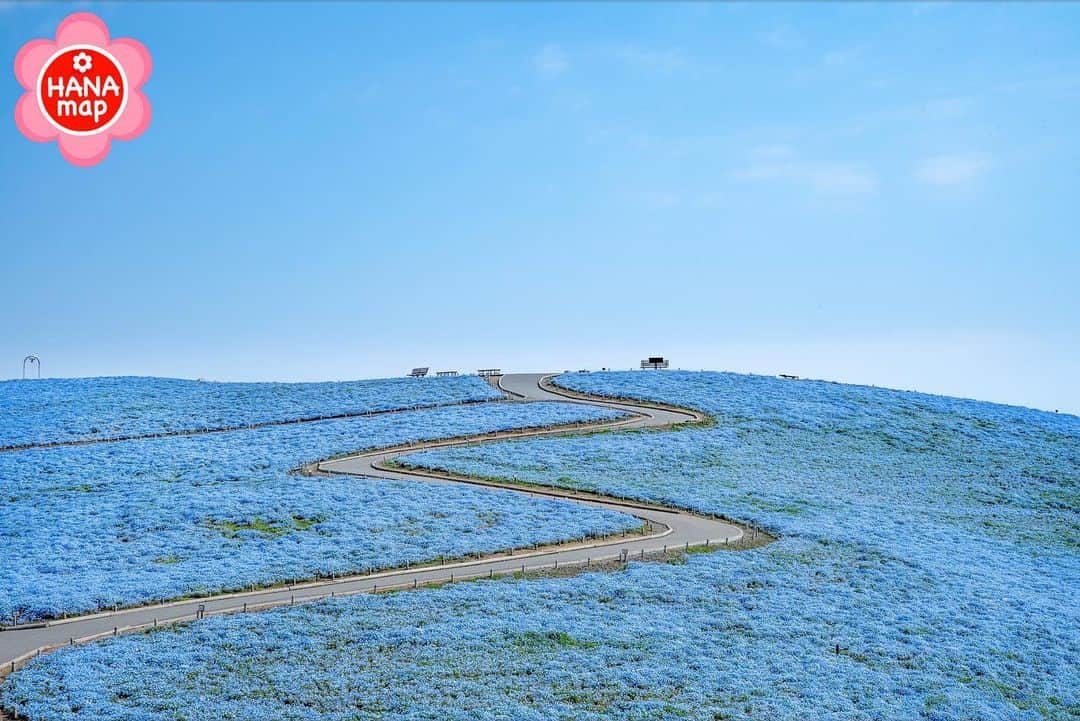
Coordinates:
(666, 528)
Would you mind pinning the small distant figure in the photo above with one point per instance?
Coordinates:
(34, 362)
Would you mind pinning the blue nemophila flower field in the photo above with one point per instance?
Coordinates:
(124, 523)
(927, 568)
(726, 636)
(68, 409)
(936, 540)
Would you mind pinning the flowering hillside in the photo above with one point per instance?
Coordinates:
(927, 567)
(88, 527)
(69, 409)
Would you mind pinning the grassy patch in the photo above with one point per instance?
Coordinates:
(534, 641)
(267, 528)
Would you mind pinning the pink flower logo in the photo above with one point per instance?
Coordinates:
(82, 90)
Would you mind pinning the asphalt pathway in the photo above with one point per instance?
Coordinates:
(663, 529)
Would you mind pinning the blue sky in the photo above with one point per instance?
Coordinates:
(882, 194)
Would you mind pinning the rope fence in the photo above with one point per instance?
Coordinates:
(201, 611)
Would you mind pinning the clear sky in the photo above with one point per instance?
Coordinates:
(883, 194)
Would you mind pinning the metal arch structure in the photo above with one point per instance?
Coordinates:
(34, 361)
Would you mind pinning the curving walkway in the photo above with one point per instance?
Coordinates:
(663, 528)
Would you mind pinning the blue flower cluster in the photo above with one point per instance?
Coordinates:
(88, 527)
(936, 540)
(727, 636)
(68, 409)
(927, 568)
